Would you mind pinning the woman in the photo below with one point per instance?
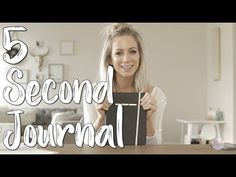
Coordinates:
(124, 51)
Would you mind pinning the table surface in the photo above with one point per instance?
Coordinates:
(200, 121)
(145, 149)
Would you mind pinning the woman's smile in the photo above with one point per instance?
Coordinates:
(127, 67)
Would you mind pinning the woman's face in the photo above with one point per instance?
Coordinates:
(125, 56)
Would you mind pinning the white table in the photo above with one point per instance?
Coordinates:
(190, 123)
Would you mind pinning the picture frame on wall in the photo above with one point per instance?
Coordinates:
(66, 47)
(56, 72)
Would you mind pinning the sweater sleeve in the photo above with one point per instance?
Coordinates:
(90, 114)
(89, 110)
(157, 116)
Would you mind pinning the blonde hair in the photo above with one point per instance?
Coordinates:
(120, 29)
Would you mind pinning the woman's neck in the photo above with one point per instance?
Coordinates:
(124, 85)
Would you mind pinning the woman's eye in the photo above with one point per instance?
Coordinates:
(118, 53)
(133, 51)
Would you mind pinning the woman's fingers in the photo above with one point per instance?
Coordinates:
(148, 101)
(149, 104)
(145, 98)
(151, 107)
(104, 106)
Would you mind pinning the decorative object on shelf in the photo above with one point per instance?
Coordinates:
(24, 79)
(66, 47)
(39, 51)
(219, 114)
(211, 115)
(56, 72)
(215, 114)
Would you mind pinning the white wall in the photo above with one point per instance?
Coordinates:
(176, 55)
(221, 93)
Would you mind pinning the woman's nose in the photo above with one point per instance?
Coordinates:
(126, 57)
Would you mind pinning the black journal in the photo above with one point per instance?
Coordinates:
(134, 118)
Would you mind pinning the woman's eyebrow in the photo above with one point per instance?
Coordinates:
(128, 48)
(118, 49)
(133, 48)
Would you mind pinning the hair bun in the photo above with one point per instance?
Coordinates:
(117, 29)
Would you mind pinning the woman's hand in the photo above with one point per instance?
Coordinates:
(101, 109)
(149, 104)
